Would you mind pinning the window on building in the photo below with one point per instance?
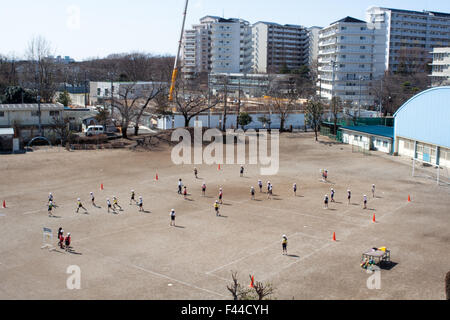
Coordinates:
(99, 91)
(35, 113)
(2, 114)
(54, 113)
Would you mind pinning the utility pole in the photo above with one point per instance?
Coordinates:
(209, 101)
(333, 64)
(239, 104)
(381, 97)
(85, 90)
(39, 114)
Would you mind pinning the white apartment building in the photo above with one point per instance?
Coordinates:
(196, 53)
(440, 75)
(313, 47)
(217, 45)
(276, 47)
(410, 33)
(347, 59)
(231, 46)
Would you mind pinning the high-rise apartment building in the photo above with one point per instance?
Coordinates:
(313, 47)
(196, 54)
(347, 64)
(231, 46)
(410, 35)
(279, 47)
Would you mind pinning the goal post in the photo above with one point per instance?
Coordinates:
(428, 170)
(364, 149)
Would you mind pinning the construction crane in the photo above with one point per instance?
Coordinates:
(175, 67)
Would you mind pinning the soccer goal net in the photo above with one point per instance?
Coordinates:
(423, 169)
(361, 148)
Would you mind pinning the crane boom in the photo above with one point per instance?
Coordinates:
(175, 67)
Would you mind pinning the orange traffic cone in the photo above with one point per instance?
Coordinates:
(374, 219)
(218, 167)
(252, 284)
(101, 187)
(4, 204)
(409, 198)
(157, 177)
(334, 236)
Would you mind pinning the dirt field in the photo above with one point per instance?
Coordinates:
(135, 255)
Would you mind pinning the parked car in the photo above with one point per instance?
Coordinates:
(95, 131)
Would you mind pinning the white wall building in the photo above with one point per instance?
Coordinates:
(196, 53)
(25, 117)
(440, 75)
(278, 46)
(313, 46)
(410, 33)
(231, 47)
(347, 60)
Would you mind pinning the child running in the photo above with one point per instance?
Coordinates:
(196, 173)
(373, 190)
(185, 193)
(204, 189)
(172, 218)
(332, 195)
(132, 198)
(365, 202)
(325, 201)
(108, 202)
(284, 245)
(270, 192)
(295, 189)
(242, 171)
(216, 208)
(80, 205)
(50, 207)
(268, 186)
(349, 195)
(260, 184)
(252, 191)
(93, 199)
(141, 204)
(116, 203)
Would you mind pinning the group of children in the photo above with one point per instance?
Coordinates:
(64, 242)
(182, 190)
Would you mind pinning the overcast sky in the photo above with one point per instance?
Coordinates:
(96, 28)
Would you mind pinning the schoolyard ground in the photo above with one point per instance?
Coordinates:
(133, 255)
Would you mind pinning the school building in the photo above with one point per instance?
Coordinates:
(422, 127)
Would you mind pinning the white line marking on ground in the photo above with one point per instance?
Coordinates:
(158, 274)
(295, 262)
(260, 250)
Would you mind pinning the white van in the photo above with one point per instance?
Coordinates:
(94, 131)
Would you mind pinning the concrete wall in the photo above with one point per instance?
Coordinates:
(296, 120)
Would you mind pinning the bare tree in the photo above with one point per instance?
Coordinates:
(336, 109)
(263, 290)
(42, 71)
(283, 102)
(127, 105)
(235, 287)
(313, 114)
(60, 126)
(191, 102)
